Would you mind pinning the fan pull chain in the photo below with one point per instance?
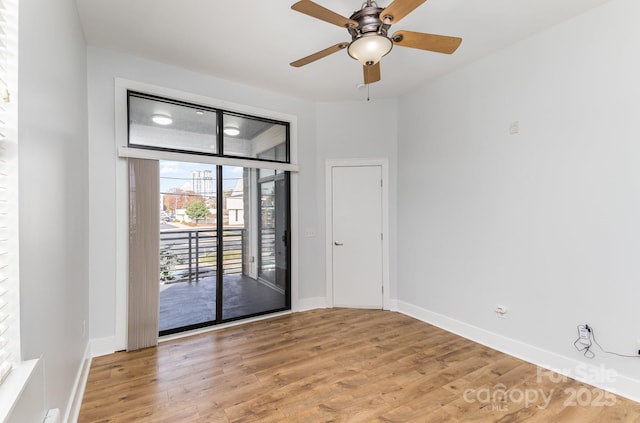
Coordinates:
(368, 97)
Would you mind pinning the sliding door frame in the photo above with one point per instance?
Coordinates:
(121, 195)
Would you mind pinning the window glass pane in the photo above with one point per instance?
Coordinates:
(254, 138)
(163, 124)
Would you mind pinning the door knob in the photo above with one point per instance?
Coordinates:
(337, 243)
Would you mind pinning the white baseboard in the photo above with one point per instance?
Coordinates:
(75, 401)
(104, 346)
(305, 304)
(599, 377)
(391, 304)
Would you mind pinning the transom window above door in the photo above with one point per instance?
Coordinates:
(172, 125)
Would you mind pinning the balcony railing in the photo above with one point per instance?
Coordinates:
(192, 254)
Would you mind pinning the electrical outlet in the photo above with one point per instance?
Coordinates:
(584, 336)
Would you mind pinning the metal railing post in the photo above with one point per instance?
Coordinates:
(190, 256)
(197, 256)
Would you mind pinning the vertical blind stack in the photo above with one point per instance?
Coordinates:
(8, 204)
(144, 253)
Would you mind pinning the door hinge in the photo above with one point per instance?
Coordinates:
(381, 182)
(381, 236)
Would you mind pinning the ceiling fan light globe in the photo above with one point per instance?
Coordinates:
(369, 49)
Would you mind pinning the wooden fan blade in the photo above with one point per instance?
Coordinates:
(398, 10)
(316, 11)
(371, 73)
(430, 42)
(319, 55)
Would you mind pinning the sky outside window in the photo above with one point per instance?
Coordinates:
(180, 175)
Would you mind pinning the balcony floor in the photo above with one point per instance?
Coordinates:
(188, 303)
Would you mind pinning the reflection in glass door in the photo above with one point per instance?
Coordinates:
(274, 228)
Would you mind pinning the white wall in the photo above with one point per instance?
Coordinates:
(53, 192)
(103, 67)
(358, 130)
(545, 222)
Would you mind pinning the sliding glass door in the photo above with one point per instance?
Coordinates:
(224, 248)
(245, 292)
(188, 245)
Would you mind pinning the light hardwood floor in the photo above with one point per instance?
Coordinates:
(336, 365)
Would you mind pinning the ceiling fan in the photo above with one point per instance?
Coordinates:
(368, 28)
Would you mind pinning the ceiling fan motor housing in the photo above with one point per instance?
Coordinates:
(368, 19)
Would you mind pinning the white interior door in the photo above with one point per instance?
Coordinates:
(357, 236)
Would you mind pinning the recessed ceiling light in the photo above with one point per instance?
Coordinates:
(232, 131)
(162, 119)
(199, 112)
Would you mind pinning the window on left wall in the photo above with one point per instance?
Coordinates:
(9, 295)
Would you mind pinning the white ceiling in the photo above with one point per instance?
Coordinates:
(253, 41)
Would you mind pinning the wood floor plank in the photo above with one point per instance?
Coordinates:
(337, 365)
